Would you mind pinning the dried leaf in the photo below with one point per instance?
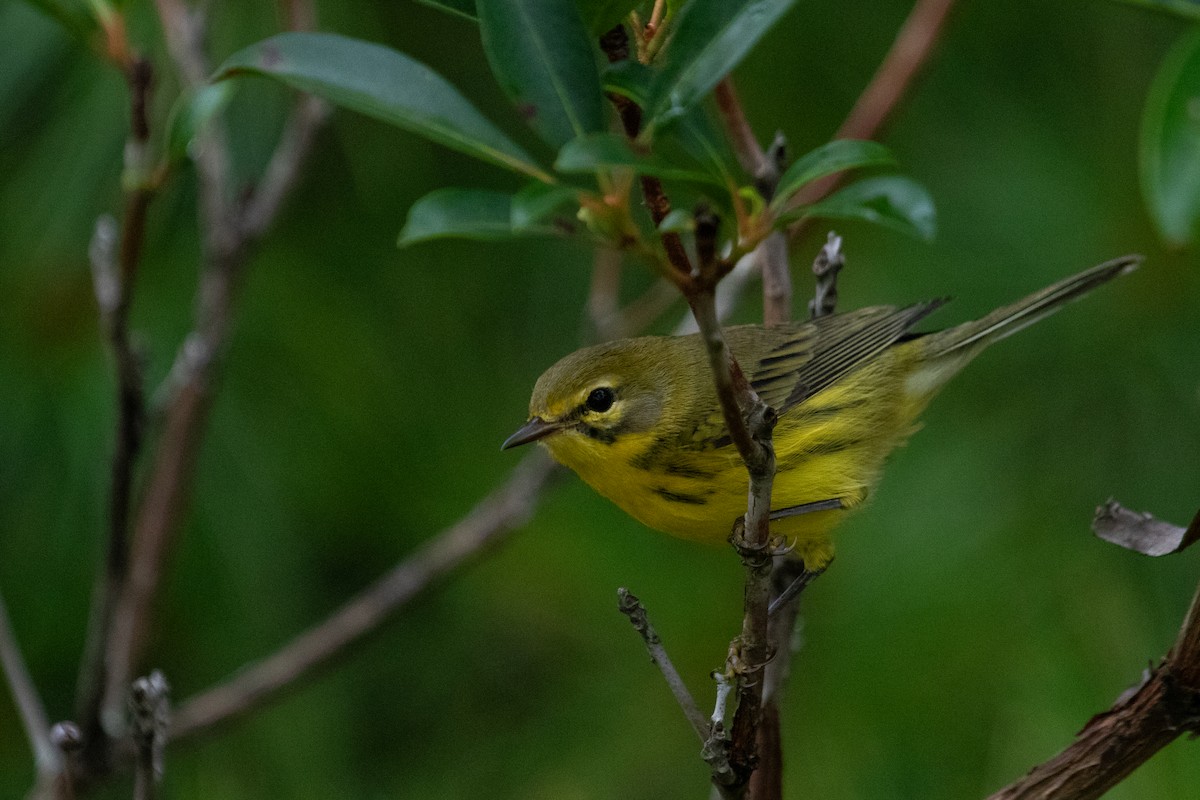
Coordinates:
(1141, 532)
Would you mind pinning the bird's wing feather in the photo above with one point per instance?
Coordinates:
(793, 362)
(843, 342)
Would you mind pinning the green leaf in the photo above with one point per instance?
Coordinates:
(384, 84)
(543, 57)
(537, 201)
(191, 112)
(1170, 143)
(1184, 8)
(598, 151)
(478, 214)
(891, 200)
(457, 8)
(828, 159)
(710, 38)
(693, 133)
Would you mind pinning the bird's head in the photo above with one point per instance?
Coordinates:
(598, 397)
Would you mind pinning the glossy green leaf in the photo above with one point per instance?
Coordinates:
(478, 214)
(599, 151)
(458, 8)
(694, 133)
(1170, 143)
(1183, 8)
(891, 200)
(535, 203)
(708, 40)
(458, 213)
(191, 112)
(544, 59)
(828, 159)
(384, 84)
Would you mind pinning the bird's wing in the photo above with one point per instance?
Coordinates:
(792, 363)
(842, 343)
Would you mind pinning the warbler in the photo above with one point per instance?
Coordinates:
(638, 419)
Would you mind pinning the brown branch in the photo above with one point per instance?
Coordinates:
(749, 152)
(890, 84)
(488, 524)
(28, 702)
(229, 230)
(115, 262)
(1116, 742)
(750, 423)
(149, 709)
(765, 167)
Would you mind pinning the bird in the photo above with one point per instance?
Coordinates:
(639, 420)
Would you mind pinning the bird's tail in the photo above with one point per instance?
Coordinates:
(944, 353)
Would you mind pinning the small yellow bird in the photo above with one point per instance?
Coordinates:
(638, 419)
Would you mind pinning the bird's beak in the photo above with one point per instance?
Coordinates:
(536, 428)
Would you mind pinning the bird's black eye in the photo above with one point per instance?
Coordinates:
(600, 400)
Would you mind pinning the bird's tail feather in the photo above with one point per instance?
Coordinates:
(944, 353)
(1008, 320)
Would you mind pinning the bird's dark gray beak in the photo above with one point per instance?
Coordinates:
(536, 428)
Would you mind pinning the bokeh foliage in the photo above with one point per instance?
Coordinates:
(971, 623)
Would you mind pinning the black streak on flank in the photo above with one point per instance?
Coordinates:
(685, 471)
(676, 497)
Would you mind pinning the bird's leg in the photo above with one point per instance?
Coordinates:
(792, 590)
(832, 504)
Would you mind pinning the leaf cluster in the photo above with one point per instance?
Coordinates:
(546, 58)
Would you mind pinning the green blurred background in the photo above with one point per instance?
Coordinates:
(971, 623)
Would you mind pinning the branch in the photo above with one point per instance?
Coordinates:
(150, 710)
(632, 607)
(750, 423)
(229, 230)
(766, 167)
(29, 704)
(488, 524)
(890, 84)
(1114, 743)
(115, 262)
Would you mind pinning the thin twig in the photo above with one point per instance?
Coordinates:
(229, 230)
(29, 703)
(632, 607)
(749, 152)
(115, 261)
(890, 84)
(826, 266)
(150, 711)
(284, 168)
(502, 512)
(765, 166)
